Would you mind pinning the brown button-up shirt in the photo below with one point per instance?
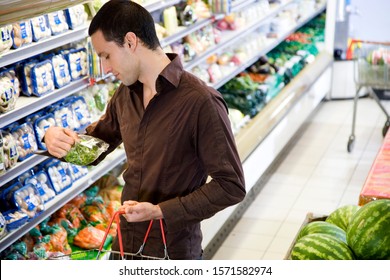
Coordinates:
(182, 137)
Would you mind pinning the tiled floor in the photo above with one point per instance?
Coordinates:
(317, 175)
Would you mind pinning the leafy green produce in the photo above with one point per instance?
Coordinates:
(86, 151)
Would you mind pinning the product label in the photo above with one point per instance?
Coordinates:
(62, 71)
(26, 142)
(44, 79)
(23, 30)
(57, 19)
(63, 174)
(8, 94)
(78, 64)
(5, 35)
(42, 24)
(64, 119)
(13, 153)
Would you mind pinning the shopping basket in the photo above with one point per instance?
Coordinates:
(101, 253)
(371, 72)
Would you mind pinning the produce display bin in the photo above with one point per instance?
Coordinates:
(310, 217)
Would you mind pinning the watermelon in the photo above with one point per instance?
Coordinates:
(342, 216)
(368, 233)
(323, 227)
(320, 246)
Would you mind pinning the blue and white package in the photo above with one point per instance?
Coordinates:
(42, 78)
(25, 140)
(78, 64)
(61, 71)
(40, 28)
(63, 116)
(7, 92)
(21, 34)
(25, 76)
(76, 16)
(28, 200)
(5, 38)
(77, 171)
(10, 149)
(81, 113)
(59, 175)
(40, 126)
(57, 22)
(43, 185)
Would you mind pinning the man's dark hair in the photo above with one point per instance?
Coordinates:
(117, 17)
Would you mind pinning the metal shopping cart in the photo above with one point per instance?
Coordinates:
(371, 72)
(100, 253)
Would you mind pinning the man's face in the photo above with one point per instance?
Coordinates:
(115, 59)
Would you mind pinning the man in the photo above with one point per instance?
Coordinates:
(175, 132)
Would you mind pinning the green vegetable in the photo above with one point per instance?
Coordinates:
(86, 151)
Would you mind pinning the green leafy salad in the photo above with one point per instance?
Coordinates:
(86, 151)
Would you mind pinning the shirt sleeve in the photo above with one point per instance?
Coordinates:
(215, 144)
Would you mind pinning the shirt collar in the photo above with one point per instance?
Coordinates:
(169, 77)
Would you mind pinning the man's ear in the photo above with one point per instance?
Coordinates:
(130, 39)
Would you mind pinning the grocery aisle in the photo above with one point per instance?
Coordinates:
(315, 174)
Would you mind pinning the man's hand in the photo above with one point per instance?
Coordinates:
(140, 211)
(59, 140)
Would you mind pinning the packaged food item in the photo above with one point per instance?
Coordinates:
(61, 71)
(86, 151)
(7, 195)
(2, 158)
(77, 61)
(5, 38)
(43, 185)
(82, 117)
(76, 16)
(14, 219)
(59, 175)
(28, 200)
(9, 90)
(22, 34)
(25, 76)
(3, 226)
(11, 154)
(57, 22)
(63, 116)
(42, 79)
(40, 126)
(26, 143)
(40, 28)
(77, 171)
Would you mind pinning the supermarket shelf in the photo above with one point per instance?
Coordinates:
(44, 45)
(184, 31)
(265, 50)
(234, 37)
(252, 135)
(158, 5)
(94, 174)
(241, 4)
(20, 168)
(28, 105)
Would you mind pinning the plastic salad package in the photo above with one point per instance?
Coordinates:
(86, 151)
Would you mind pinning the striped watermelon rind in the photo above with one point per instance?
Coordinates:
(323, 227)
(342, 216)
(368, 233)
(319, 246)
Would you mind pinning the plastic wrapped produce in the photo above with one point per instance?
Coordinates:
(2, 158)
(22, 34)
(42, 78)
(61, 71)
(86, 151)
(57, 22)
(63, 116)
(82, 117)
(10, 149)
(25, 140)
(78, 65)
(42, 183)
(59, 175)
(76, 16)
(40, 126)
(5, 38)
(9, 90)
(25, 77)
(15, 219)
(28, 200)
(3, 226)
(40, 28)
(77, 171)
